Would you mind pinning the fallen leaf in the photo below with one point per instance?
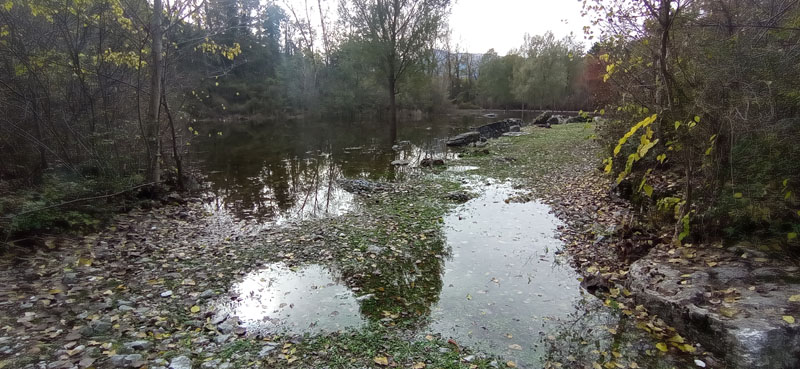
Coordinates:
(511, 364)
(195, 309)
(381, 360)
(418, 366)
(794, 298)
(515, 347)
(788, 319)
(661, 346)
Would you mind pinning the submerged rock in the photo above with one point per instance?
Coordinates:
(458, 196)
(361, 186)
(718, 308)
(430, 162)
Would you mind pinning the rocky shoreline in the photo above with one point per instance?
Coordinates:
(731, 307)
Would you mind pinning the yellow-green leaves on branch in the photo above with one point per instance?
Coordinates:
(211, 47)
(646, 143)
(644, 123)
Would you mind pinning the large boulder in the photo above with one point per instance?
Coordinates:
(464, 139)
(579, 119)
(557, 119)
(494, 130)
(734, 309)
(543, 118)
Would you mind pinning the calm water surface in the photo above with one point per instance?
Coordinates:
(498, 284)
(279, 171)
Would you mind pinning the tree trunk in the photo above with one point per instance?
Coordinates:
(155, 95)
(175, 154)
(665, 21)
(393, 108)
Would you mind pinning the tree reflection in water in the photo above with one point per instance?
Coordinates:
(289, 170)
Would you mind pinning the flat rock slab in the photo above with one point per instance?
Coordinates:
(464, 139)
(732, 303)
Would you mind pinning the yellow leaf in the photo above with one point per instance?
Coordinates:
(195, 309)
(738, 195)
(677, 339)
(511, 364)
(381, 360)
(791, 236)
(418, 366)
(788, 319)
(661, 346)
(794, 298)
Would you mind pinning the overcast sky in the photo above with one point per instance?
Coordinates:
(479, 25)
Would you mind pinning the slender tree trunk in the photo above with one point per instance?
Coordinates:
(175, 154)
(393, 108)
(666, 23)
(155, 95)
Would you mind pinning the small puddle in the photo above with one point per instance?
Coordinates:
(279, 298)
(504, 283)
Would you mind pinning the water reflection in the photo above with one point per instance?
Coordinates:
(280, 298)
(288, 170)
(405, 285)
(489, 279)
(504, 284)
(593, 334)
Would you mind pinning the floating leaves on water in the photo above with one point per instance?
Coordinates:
(381, 360)
(788, 319)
